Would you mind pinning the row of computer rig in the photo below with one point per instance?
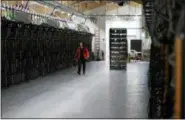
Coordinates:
(118, 48)
(30, 51)
(165, 22)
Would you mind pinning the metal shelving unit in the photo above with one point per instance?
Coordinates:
(97, 40)
(118, 48)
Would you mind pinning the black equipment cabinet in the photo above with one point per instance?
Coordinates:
(136, 45)
(30, 51)
(118, 48)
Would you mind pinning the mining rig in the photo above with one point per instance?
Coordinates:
(165, 22)
(118, 48)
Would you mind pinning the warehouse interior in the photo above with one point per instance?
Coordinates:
(135, 66)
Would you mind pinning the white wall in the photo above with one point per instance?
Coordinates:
(92, 26)
(119, 22)
(100, 24)
(129, 25)
(105, 24)
(126, 9)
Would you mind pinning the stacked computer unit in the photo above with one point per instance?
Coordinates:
(118, 48)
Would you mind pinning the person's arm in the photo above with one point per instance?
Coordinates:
(87, 53)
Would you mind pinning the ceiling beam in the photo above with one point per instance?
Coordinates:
(138, 1)
(89, 5)
(84, 5)
(77, 2)
(111, 6)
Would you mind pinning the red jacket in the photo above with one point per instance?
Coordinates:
(85, 51)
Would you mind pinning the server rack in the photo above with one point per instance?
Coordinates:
(136, 44)
(30, 51)
(118, 48)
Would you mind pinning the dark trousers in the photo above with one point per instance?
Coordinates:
(81, 62)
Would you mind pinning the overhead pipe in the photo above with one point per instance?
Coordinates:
(81, 1)
(74, 12)
(103, 15)
(61, 7)
(58, 7)
(26, 6)
(22, 6)
(54, 9)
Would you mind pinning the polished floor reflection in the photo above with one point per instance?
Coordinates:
(98, 94)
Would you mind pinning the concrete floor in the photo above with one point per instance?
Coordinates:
(98, 94)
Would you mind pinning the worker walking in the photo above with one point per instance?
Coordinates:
(82, 54)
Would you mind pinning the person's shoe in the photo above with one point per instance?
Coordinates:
(78, 73)
(84, 73)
